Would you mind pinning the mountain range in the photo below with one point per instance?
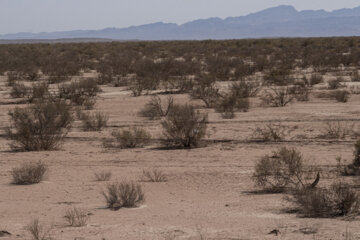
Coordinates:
(281, 21)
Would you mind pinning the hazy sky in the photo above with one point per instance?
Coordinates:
(59, 15)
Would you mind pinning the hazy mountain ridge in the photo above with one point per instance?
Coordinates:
(281, 21)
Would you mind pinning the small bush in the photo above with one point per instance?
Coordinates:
(39, 92)
(335, 83)
(154, 175)
(338, 200)
(355, 77)
(102, 176)
(228, 104)
(206, 90)
(39, 127)
(29, 173)
(79, 92)
(76, 217)
(155, 109)
(340, 95)
(246, 89)
(94, 122)
(282, 170)
(335, 130)
(38, 231)
(129, 138)
(278, 96)
(315, 79)
(19, 90)
(279, 77)
(184, 126)
(123, 195)
(269, 133)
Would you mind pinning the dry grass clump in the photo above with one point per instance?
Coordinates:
(184, 126)
(38, 231)
(76, 217)
(156, 109)
(337, 200)
(284, 169)
(102, 176)
(123, 195)
(94, 122)
(133, 137)
(39, 127)
(154, 175)
(29, 173)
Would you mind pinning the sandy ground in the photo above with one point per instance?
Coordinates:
(209, 193)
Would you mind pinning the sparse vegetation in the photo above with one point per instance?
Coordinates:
(102, 176)
(38, 231)
(278, 96)
(269, 133)
(156, 109)
(94, 122)
(154, 175)
(129, 138)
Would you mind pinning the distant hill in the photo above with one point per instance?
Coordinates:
(281, 21)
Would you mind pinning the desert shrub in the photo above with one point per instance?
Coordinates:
(38, 231)
(352, 169)
(315, 79)
(102, 176)
(138, 85)
(246, 88)
(76, 217)
(337, 200)
(355, 77)
(335, 130)
(29, 173)
(356, 161)
(182, 84)
(39, 127)
(123, 195)
(230, 103)
(154, 175)
(278, 96)
(334, 83)
(301, 92)
(279, 77)
(12, 77)
(19, 90)
(33, 76)
(79, 92)
(184, 126)
(340, 95)
(205, 90)
(39, 92)
(269, 133)
(156, 109)
(129, 138)
(94, 122)
(281, 171)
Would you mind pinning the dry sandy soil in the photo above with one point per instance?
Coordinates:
(209, 193)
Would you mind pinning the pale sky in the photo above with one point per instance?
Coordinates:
(62, 15)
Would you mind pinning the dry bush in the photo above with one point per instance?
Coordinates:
(335, 130)
(205, 90)
(156, 109)
(154, 175)
(94, 122)
(340, 95)
(352, 169)
(269, 133)
(335, 83)
(230, 103)
(39, 127)
(79, 92)
(29, 173)
(246, 88)
(315, 79)
(123, 195)
(278, 96)
(338, 200)
(281, 171)
(12, 77)
(355, 77)
(76, 217)
(39, 92)
(184, 126)
(19, 90)
(102, 176)
(278, 77)
(301, 92)
(129, 138)
(38, 231)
